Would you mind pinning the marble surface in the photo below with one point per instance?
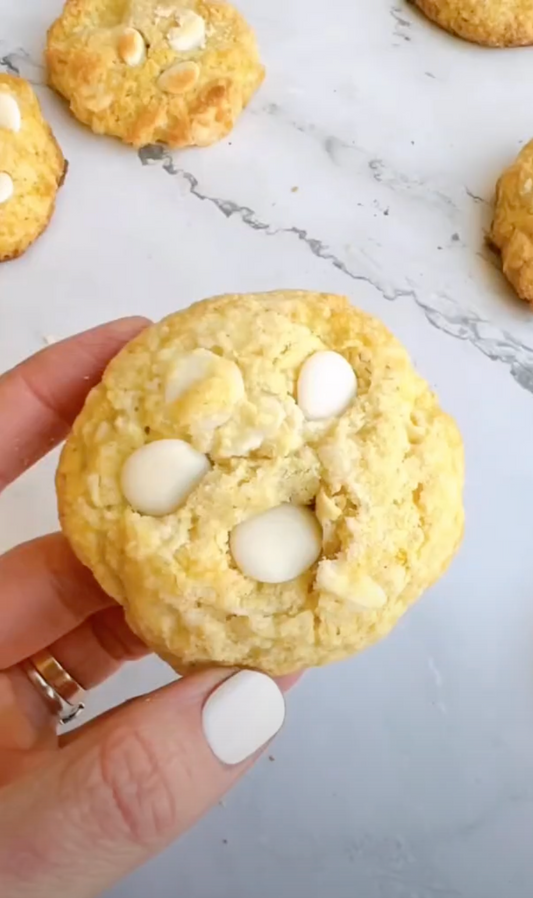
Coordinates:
(366, 165)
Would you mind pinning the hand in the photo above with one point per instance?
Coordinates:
(80, 811)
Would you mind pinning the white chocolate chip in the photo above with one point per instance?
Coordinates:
(6, 187)
(277, 545)
(131, 47)
(195, 366)
(205, 389)
(187, 371)
(233, 378)
(249, 441)
(97, 102)
(326, 386)
(189, 34)
(159, 476)
(10, 117)
(360, 591)
(179, 78)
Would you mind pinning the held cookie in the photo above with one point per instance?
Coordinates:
(512, 227)
(31, 168)
(263, 481)
(177, 72)
(494, 23)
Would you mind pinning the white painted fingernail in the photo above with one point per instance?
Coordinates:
(241, 715)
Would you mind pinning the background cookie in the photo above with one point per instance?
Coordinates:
(31, 168)
(512, 227)
(171, 71)
(495, 23)
(263, 481)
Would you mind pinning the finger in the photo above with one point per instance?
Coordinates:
(98, 648)
(137, 780)
(90, 654)
(26, 723)
(46, 592)
(40, 398)
(285, 683)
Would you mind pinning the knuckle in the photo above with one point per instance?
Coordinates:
(131, 790)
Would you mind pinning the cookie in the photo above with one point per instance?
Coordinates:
(494, 23)
(32, 168)
(512, 226)
(263, 481)
(177, 72)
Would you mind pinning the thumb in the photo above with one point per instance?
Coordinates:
(127, 785)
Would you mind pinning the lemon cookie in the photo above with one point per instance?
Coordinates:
(263, 481)
(177, 72)
(495, 23)
(31, 168)
(512, 226)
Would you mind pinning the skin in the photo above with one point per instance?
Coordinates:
(79, 812)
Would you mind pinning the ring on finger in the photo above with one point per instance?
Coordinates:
(60, 691)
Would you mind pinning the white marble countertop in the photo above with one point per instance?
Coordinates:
(408, 771)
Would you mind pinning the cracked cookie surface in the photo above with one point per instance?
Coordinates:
(32, 168)
(512, 226)
(177, 72)
(494, 23)
(356, 490)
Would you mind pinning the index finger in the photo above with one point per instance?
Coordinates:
(41, 397)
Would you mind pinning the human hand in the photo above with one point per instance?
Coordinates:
(79, 811)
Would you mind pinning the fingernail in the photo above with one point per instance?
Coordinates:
(242, 715)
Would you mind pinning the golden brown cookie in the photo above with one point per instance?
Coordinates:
(512, 227)
(177, 72)
(494, 23)
(263, 481)
(31, 168)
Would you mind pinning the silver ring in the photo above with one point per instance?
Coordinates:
(60, 691)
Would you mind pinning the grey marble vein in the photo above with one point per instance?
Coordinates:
(347, 155)
(442, 312)
(7, 64)
(396, 180)
(19, 62)
(475, 197)
(401, 24)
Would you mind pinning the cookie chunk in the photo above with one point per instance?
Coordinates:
(31, 168)
(177, 72)
(263, 481)
(494, 23)
(512, 227)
